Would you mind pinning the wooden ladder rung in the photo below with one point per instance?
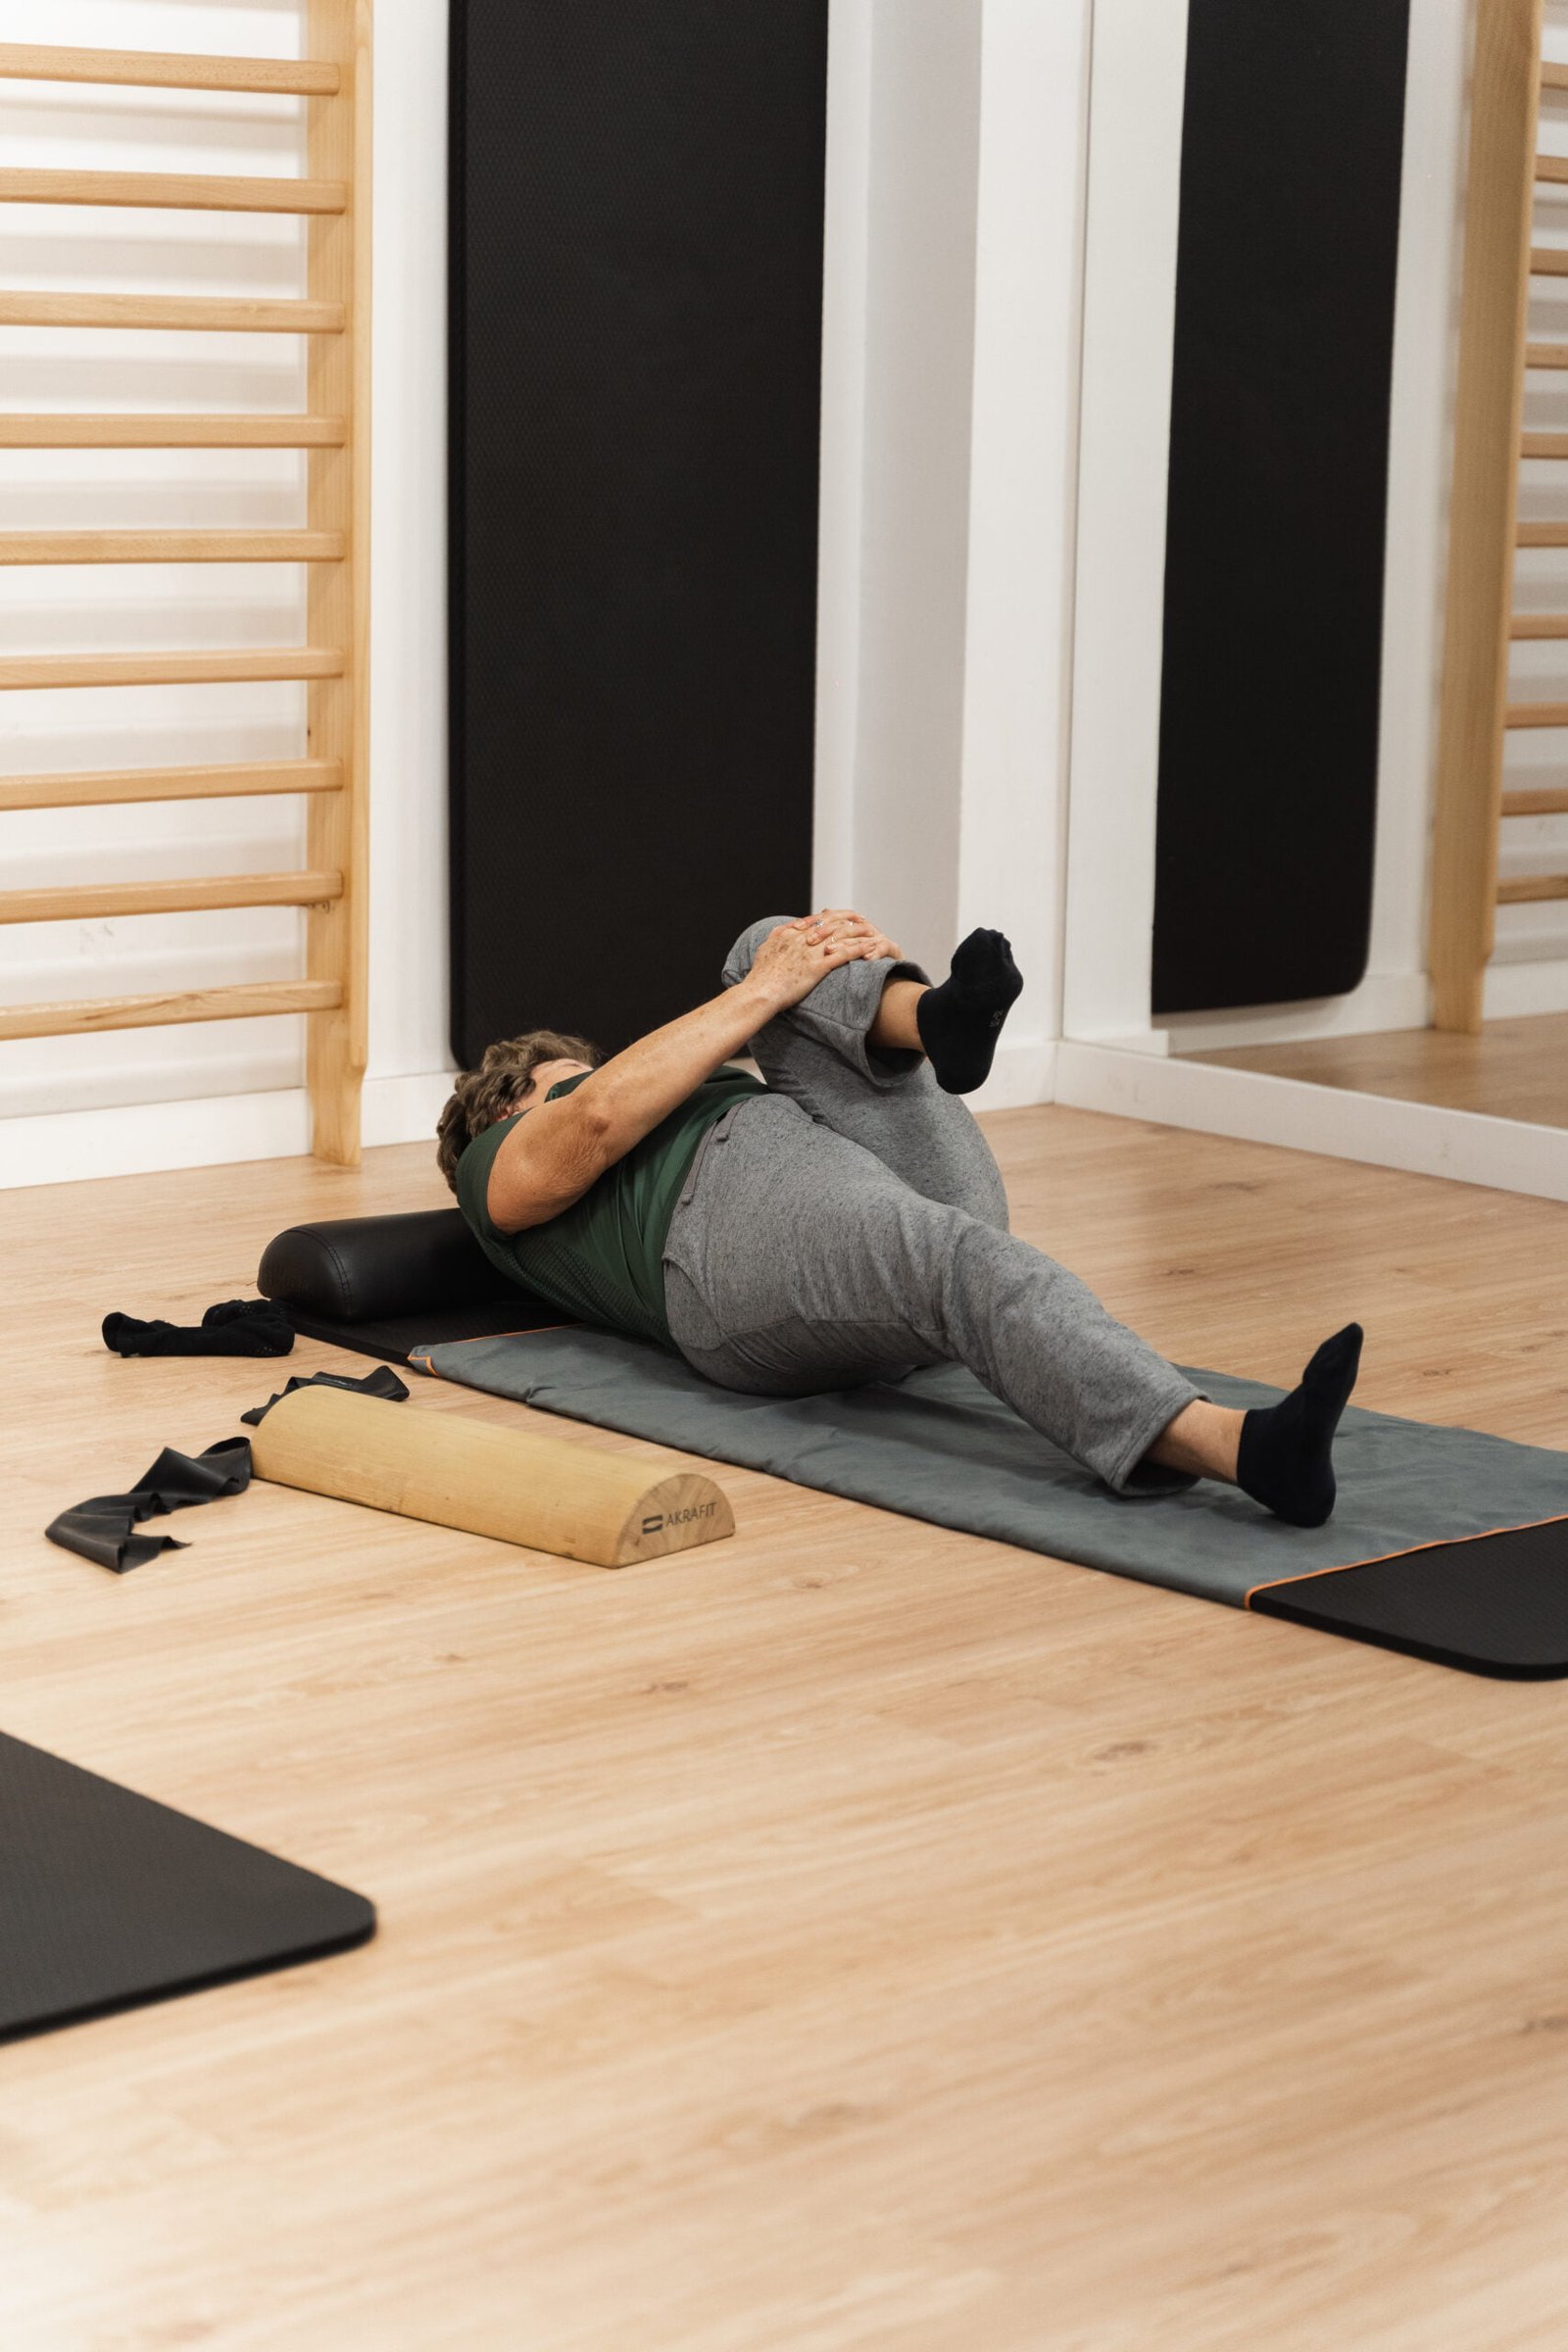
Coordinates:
(173, 192)
(1538, 624)
(100, 786)
(1544, 444)
(1552, 167)
(200, 313)
(332, 317)
(18, 432)
(86, 901)
(1484, 533)
(1536, 715)
(1542, 534)
(1536, 800)
(158, 70)
(173, 547)
(41, 672)
(1554, 78)
(240, 1002)
(1524, 889)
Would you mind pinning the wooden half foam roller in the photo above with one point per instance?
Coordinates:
(582, 1501)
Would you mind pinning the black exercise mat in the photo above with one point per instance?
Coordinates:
(391, 1337)
(1492, 1604)
(107, 1899)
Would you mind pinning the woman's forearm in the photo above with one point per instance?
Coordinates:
(550, 1158)
(630, 1094)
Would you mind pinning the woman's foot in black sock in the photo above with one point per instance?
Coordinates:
(1284, 1461)
(960, 1021)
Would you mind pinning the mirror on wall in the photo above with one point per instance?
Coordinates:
(1290, 858)
(1514, 1068)
(1485, 1032)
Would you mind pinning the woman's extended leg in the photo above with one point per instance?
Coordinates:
(842, 1061)
(797, 1262)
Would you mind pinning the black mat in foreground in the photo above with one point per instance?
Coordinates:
(107, 1899)
(1496, 1603)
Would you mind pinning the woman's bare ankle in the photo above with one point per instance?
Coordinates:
(1202, 1439)
(894, 1029)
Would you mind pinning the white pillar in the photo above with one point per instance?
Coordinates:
(1023, 500)
(1136, 87)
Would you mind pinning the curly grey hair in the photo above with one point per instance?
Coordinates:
(487, 1094)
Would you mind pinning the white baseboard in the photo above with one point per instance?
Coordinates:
(1384, 1001)
(1023, 1072)
(66, 1146)
(1423, 1138)
(405, 1110)
(1515, 986)
(1512, 990)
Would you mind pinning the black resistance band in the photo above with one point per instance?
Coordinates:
(99, 1529)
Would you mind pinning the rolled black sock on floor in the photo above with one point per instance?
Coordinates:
(960, 1021)
(1285, 1459)
(233, 1327)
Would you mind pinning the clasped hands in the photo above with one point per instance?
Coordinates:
(795, 956)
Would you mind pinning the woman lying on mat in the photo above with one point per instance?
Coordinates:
(846, 1222)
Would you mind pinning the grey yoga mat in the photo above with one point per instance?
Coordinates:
(1445, 1542)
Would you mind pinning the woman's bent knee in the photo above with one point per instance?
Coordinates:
(743, 954)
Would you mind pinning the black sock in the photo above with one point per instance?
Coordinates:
(233, 1327)
(960, 1021)
(1284, 1461)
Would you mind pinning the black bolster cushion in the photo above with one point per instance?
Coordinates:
(364, 1269)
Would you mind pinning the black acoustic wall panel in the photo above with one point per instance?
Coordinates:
(1290, 215)
(636, 286)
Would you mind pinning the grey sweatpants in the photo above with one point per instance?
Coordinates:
(852, 1224)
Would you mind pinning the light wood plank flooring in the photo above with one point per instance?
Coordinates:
(1513, 1070)
(853, 1937)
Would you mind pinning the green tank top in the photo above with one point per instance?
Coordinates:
(602, 1260)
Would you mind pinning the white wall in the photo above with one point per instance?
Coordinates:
(954, 232)
(954, 514)
(903, 114)
(1129, 315)
(956, 171)
(225, 1090)
(1023, 510)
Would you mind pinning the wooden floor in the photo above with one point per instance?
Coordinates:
(852, 1938)
(1513, 1070)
